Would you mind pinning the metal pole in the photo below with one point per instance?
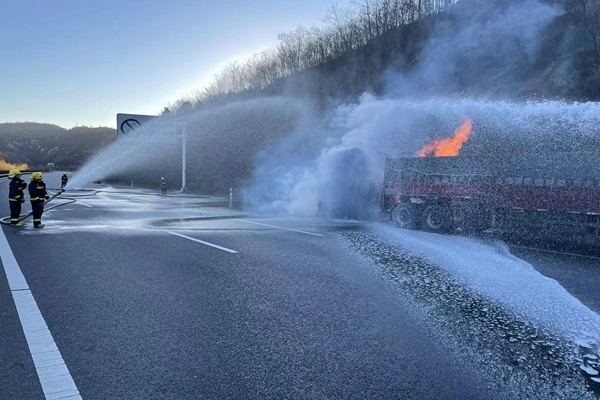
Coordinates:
(230, 197)
(183, 160)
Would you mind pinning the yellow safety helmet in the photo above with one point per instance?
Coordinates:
(36, 176)
(14, 172)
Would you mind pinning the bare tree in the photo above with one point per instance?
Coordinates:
(586, 13)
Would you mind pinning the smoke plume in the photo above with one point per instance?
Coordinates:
(475, 56)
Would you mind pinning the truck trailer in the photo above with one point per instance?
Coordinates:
(550, 197)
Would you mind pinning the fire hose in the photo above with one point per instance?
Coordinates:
(46, 202)
(5, 220)
(70, 200)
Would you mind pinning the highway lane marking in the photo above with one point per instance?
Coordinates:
(84, 204)
(202, 241)
(280, 227)
(53, 374)
(557, 252)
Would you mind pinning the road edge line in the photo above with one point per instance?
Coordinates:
(55, 377)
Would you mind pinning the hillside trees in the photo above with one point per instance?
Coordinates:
(345, 30)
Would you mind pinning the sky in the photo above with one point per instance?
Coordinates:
(74, 63)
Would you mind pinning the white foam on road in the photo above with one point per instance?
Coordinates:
(53, 374)
(492, 271)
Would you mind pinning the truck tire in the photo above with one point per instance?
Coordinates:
(437, 219)
(405, 216)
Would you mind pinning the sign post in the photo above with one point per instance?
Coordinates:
(183, 157)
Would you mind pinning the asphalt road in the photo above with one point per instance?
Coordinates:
(172, 298)
(579, 274)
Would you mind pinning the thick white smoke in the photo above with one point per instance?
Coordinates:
(479, 41)
(422, 104)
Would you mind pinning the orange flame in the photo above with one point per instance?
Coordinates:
(5, 166)
(449, 146)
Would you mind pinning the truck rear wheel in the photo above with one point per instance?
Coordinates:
(405, 216)
(437, 219)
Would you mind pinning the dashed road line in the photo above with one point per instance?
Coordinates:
(279, 227)
(53, 374)
(202, 241)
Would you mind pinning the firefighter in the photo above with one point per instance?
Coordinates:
(37, 197)
(163, 186)
(63, 181)
(16, 196)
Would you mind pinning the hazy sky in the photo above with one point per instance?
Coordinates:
(80, 62)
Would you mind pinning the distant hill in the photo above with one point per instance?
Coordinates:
(37, 144)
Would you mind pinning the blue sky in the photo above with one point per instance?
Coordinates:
(80, 62)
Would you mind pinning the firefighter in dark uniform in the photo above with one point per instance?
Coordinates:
(37, 197)
(16, 196)
(63, 181)
(163, 186)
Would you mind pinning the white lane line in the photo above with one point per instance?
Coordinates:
(202, 241)
(51, 369)
(83, 204)
(279, 227)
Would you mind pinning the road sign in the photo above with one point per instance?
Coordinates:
(131, 124)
